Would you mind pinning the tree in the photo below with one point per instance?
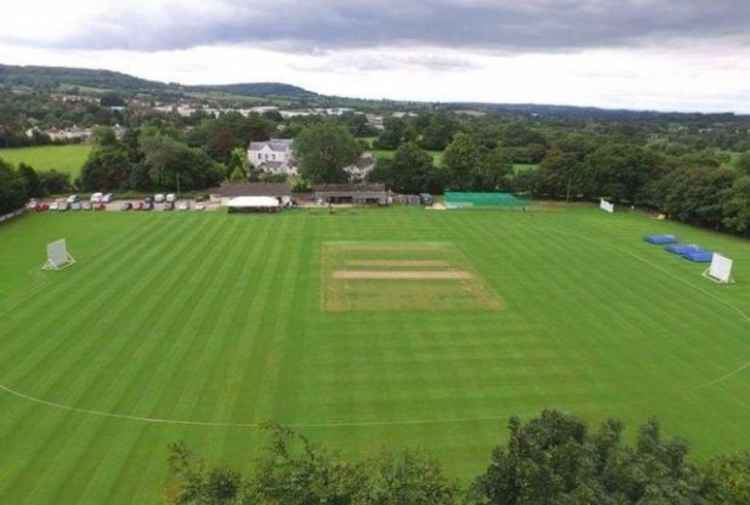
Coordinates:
(172, 164)
(293, 471)
(237, 165)
(730, 477)
(494, 171)
(104, 136)
(32, 180)
(736, 209)
(54, 182)
(411, 171)
(106, 169)
(13, 193)
(324, 150)
(561, 175)
(743, 163)
(393, 134)
(439, 133)
(461, 161)
(555, 459)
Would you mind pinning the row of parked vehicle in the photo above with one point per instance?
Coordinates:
(98, 201)
(148, 203)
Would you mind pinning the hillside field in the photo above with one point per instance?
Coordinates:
(199, 326)
(68, 159)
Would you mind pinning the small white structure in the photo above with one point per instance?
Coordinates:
(720, 270)
(254, 204)
(607, 206)
(58, 256)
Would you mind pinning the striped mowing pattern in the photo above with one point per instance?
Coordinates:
(216, 320)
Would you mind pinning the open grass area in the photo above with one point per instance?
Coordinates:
(68, 159)
(437, 156)
(196, 327)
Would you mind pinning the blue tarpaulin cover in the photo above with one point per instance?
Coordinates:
(683, 249)
(660, 239)
(699, 256)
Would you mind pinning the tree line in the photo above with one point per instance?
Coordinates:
(18, 185)
(554, 458)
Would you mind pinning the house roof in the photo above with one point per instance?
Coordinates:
(236, 189)
(349, 188)
(278, 145)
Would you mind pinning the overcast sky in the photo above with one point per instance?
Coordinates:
(638, 54)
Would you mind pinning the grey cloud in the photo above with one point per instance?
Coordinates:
(483, 25)
(362, 61)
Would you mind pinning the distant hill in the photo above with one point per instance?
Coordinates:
(55, 76)
(52, 77)
(260, 89)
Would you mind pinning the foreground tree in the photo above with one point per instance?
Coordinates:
(293, 471)
(323, 150)
(554, 459)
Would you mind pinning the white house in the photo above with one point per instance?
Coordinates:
(361, 168)
(273, 156)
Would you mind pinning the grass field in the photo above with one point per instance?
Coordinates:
(68, 159)
(437, 156)
(196, 327)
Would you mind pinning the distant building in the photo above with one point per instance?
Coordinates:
(69, 134)
(273, 156)
(357, 194)
(375, 121)
(359, 171)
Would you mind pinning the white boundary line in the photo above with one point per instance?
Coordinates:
(159, 420)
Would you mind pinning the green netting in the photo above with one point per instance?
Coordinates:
(455, 200)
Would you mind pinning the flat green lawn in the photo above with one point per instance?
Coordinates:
(67, 159)
(437, 156)
(196, 327)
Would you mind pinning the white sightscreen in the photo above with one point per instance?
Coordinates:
(607, 206)
(721, 268)
(57, 253)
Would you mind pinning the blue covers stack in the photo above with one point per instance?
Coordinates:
(683, 249)
(660, 239)
(700, 256)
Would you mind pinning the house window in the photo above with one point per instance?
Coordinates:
(273, 156)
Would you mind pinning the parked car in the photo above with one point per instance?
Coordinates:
(75, 206)
(32, 204)
(63, 205)
(101, 206)
(147, 206)
(73, 199)
(86, 206)
(201, 198)
(126, 206)
(97, 197)
(426, 198)
(107, 198)
(200, 206)
(171, 197)
(168, 206)
(159, 197)
(184, 205)
(42, 207)
(54, 206)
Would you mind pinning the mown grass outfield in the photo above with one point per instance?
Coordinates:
(67, 159)
(196, 327)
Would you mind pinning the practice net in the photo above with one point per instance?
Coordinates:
(456, 200)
